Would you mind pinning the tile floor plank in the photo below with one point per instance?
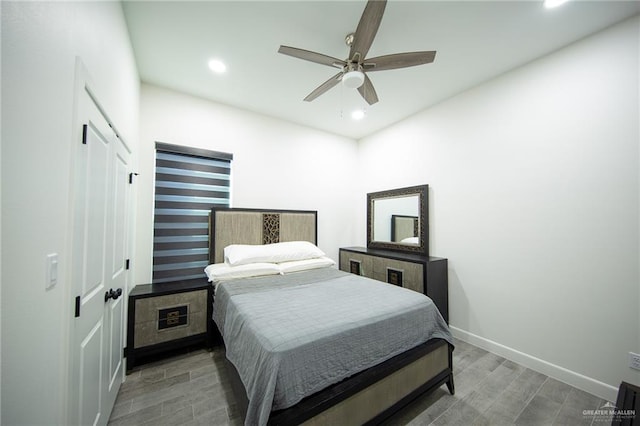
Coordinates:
(192, 389)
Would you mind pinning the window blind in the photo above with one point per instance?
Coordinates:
(189, 182)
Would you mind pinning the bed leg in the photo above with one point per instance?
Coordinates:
(450, 386)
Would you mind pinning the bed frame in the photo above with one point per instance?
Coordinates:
(365, 398)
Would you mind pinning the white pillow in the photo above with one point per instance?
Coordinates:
(222, 271)
(410, 240)
(303, 265)
(242, 254)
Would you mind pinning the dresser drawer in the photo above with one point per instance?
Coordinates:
(356, 263)
(405, 274)
(166, 318)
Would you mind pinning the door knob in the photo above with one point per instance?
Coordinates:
(112, 294)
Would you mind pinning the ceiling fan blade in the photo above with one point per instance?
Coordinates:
(367, 29)
(398, 60)
(324, 87)
(367, 91)
(308, 55)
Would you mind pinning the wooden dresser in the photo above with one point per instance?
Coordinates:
(424, 274)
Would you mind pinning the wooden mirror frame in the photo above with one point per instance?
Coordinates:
(422, 191)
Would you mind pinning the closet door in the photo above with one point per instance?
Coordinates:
(117, 241)
(98, 267)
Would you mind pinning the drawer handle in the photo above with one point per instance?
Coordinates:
(112, 294)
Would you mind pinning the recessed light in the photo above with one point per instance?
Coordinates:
(549, 4)
(358, 114)
(217, 66)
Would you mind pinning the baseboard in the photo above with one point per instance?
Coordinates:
(580, 381)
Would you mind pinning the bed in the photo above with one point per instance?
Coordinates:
(303, 344)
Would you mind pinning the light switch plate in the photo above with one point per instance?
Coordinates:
(51, 278)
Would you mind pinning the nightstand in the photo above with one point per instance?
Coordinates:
(168, 316)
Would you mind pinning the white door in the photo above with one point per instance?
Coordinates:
(117, 241)
(98, 266)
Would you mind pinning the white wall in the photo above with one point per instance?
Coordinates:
(40, 42)
(534, 195)
(276, 164)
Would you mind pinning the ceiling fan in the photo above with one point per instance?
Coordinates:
(354, 68)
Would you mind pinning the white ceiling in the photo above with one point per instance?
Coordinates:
(475, 41)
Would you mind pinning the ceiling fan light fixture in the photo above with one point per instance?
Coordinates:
(353, 79)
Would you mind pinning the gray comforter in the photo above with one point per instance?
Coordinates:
(290, 336)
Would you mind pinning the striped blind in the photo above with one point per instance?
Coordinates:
(189, 182)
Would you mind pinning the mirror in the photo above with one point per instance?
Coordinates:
(398, 219)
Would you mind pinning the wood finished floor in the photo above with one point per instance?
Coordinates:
(192, 389)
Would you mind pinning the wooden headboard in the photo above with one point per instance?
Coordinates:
(258, 226)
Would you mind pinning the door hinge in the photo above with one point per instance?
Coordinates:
(131, 175)
(114, 130)
(124, 352)
(77, 314)
(84, 134)
(127, 263)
